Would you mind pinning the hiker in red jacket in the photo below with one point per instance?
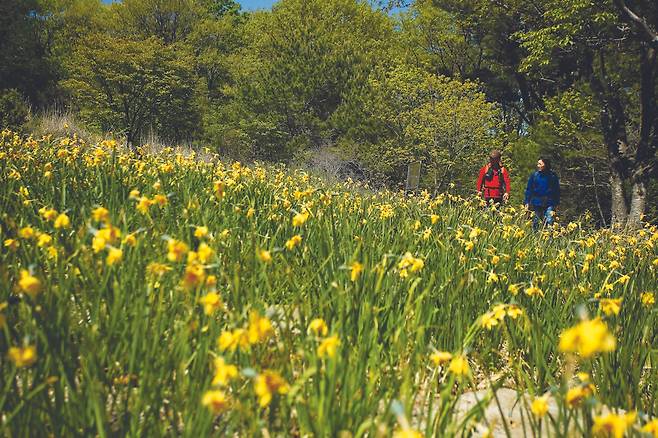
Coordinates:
(493, 180)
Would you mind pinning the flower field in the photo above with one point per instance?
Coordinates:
(152, 294)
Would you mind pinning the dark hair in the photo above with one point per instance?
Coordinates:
(547, 162)
(495, 155)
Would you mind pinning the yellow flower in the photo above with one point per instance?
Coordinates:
(157, 269)
(26, 233)
(267, 384)
(492, 278)
(231, 340)
(587, 339)
(193, 276)
(29, 284)
(434, 218)
(216, 401)
(176, 250)
(328, 347)
(223, 372)
(114, 256)
(130, 240)
(534, 291)
(299, 219)
(613, 425)
(440, 357)
(23, 357)
(211, 302)
(407, 433)
(539, 406)
(12, 244)
(48, 214)
(219, 189)
(161, 200)
(495, 259)
(624, 279)
(293, 242)
(459, 366)
(205, 253)
(651, 428)
(200, 232)
(62, 221)
(260, 328)
(576, 395)
(610, 306)
(144, 204)
(489, 320)
(356, 269)
(100, 214)
(44, 240)
(264, 256)
(319, 327)
(648, 299)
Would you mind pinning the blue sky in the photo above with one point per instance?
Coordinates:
(250, 5)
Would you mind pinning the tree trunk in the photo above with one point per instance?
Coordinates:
(638, 204)
(619, 207)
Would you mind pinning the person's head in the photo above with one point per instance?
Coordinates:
(494, 157)
(543, 164)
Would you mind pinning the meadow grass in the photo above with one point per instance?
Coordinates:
(159, 294)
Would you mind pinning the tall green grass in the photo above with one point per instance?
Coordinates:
(121, 351)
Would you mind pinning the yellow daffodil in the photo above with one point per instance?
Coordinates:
(328, 347)
(62, 221)
(539, 406)
(459, 366)
(264, 256)
(610, 306)
(100, 214)
(260, 328)
(23, 356)
(216, 401)
(267, 384)
(439, 358)
(587, 339)
(318, 327)
(355, 271)
(29, 284)
(211, 302)
(200, 232)
(648, 299)
(176, 250)
(114, 256)
(293, 242)
(193, 276)
(224, 372)
(299, 219)
(612, 425)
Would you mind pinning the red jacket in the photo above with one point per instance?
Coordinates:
(494, 187)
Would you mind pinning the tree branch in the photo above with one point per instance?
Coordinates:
(640, 22)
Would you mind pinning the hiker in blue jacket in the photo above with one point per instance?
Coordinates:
(542, 195)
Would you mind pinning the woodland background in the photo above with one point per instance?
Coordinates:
(349, 89)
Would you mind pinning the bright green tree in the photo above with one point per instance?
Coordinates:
(412, 115)
(301, 62)
(129, 86)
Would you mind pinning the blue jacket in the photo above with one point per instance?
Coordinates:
(543, 189)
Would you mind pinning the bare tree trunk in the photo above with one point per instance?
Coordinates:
(638, 204)
(619, 207)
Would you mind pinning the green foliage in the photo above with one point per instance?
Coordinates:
(301, 61)
(415, 116)
(129, 86)
(14, 111)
